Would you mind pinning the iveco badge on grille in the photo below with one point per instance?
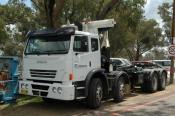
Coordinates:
(42, 61)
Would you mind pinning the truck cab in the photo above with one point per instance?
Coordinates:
(61, 59)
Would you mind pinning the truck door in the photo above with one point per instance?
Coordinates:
(95, 52)
(81, 57)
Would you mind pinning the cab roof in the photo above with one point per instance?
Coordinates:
(53, 32)
(58, 31)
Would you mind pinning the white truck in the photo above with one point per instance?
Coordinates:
(72, 63)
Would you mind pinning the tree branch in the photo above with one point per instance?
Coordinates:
(106, 9)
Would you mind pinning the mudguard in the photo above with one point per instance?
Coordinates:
(104, 77)
(118, 74)
(90, 76)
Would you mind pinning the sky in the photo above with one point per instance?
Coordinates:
(150, 8)
(26, 1)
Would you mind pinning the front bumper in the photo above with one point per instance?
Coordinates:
(54, 91)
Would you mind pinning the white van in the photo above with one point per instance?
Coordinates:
(164, 63)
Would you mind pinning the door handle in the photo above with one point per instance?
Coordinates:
(89, 63)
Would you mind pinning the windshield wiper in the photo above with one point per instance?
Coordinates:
(55, 51)
(34, 53)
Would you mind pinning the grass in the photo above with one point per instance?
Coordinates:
(22, 100)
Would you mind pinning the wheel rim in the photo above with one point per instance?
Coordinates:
(99, 93)
(163, 80)
(121, 88)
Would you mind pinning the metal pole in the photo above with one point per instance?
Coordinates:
(173, 42)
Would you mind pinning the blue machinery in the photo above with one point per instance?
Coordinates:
(8, 79)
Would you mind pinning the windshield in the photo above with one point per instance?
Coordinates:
(127, 62)
(48, 45)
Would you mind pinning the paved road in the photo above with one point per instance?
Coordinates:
(162, 107)
(139, 104)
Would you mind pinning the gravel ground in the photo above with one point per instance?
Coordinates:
(34, 106)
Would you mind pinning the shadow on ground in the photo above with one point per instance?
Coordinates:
(34, 106)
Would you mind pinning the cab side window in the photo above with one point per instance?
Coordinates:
(94, 44)
(80, 44)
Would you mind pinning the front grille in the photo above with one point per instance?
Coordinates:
(44, 81)
(35, 93)
(40, 87)
(43, 73)
(43, 94)
(40, 93)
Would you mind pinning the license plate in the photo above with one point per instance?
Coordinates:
(24, 91)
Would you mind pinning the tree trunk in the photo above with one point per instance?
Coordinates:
(137, 56)
(59, 5)
(53, 9)
(49, 4)
(173, 41)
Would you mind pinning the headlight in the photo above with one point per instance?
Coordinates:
(24, 86)
(54, 89)
(59, 90)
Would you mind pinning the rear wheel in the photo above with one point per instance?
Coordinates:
(95, 94)
(118, 90)
(162, 81)
(153, 83)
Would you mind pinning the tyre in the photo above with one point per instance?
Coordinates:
(95, 94)
(153, 83)
(118, 90)
(162, 81)
(144, 86)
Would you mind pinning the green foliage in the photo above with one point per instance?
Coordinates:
(131, 37)
(15, 13)
(125, 35)
(13, 49)
(156, 54)
(148, 36)
(165, 12)
(3, 34)
(50, 11)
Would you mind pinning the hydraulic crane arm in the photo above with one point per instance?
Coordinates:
(100, 27)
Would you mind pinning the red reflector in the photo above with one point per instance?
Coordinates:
(71, 76)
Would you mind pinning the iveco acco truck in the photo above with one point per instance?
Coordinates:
(73, 63)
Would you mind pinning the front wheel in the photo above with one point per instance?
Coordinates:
(95, 94)
(118, 90)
